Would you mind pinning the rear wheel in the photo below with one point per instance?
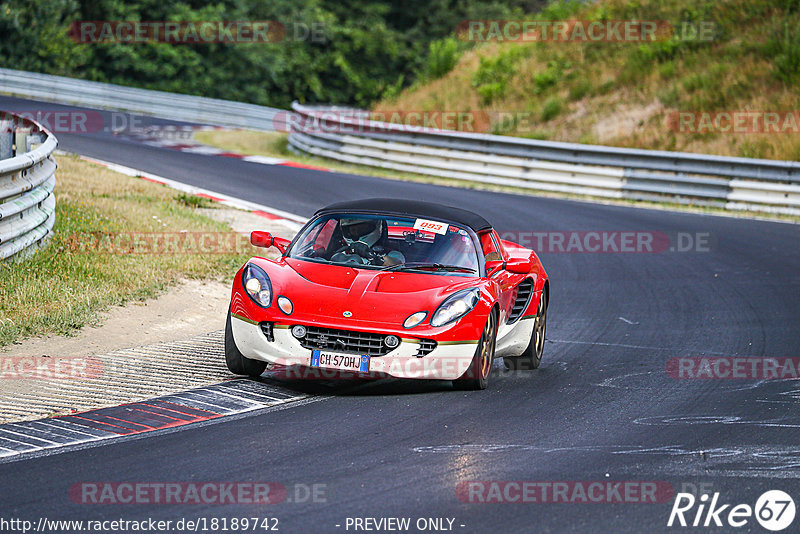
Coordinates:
(237, 363)
(477, 375)
(532, 357)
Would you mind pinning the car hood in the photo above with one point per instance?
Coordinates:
(371, 296)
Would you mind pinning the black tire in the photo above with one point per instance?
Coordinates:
(477, 375)
(532, 356)
(237, 363)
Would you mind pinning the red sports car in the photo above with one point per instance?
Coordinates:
(389, 287)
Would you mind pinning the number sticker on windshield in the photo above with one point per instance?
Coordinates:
(430, 226)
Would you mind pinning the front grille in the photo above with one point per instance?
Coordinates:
(344, 341)
(523, 296)
(426, 346)
(350, 341)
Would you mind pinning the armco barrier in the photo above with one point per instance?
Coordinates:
(599, 171)
(678, 177)
(27, 180)
(173, 106)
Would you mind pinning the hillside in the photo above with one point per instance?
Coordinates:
(743, 57)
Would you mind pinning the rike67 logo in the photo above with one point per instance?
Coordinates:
(774, 511)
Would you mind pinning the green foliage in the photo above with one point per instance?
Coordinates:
(667, 70)
(784, 48)
(549, 77)
(670, 97)
(192, 201)
(442, 57)
(552, 107)
(33, 36)
(756, 149)
(338, 51)
(494, 72)
(698, 81)
(560, 10)
(582, 88)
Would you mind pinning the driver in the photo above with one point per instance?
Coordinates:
(364, 243)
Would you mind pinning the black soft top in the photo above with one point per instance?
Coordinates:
(414, 208)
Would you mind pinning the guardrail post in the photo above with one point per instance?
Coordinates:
(33, 139)
(6, 136)
(6, 144)
(21, 140)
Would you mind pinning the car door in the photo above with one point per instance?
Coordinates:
(496, 256)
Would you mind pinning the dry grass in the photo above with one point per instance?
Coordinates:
(63, 287)
(245, 141)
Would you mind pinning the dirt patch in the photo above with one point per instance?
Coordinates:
(626, 121)
(190, 308)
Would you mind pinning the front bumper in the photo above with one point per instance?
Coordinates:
(448, 361)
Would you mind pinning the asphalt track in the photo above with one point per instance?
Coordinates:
(601, 408)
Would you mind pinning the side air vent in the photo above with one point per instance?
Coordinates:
(524, 291)
(266, 329)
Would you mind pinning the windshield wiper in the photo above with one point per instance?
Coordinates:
(434, 266)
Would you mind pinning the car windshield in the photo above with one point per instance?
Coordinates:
(388, 243)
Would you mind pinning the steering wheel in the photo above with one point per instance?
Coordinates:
(362, 249)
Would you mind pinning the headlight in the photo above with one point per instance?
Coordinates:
(414, 319)
(285, 305)
(455, 307)
(257, 285)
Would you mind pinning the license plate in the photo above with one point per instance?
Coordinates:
(336, 360)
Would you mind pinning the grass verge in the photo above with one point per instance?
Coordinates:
(63, 287)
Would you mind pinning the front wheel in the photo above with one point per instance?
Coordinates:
(237, 363)
(477, 375)
(532, 357)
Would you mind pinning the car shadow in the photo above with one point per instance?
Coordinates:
(299, 380)
(313, 382)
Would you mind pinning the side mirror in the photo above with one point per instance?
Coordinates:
(281, 244)
(266, 240)
(493, 267)
(519, 265)
(261, 239)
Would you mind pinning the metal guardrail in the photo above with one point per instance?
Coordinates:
(347, 135)
(599, 171)
(27, 180)
(173, 106)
